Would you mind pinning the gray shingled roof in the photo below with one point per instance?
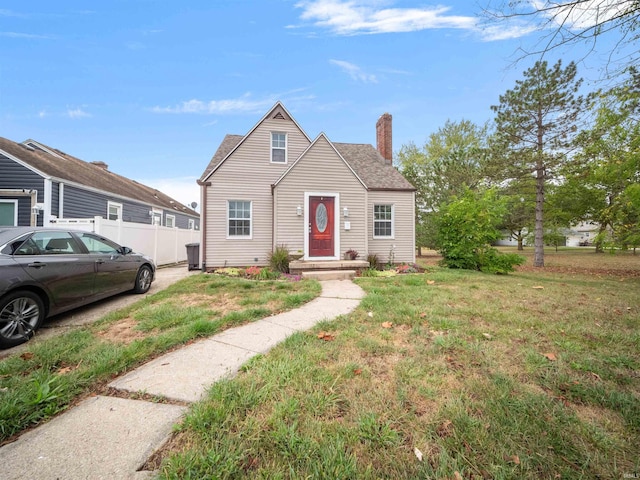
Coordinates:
(229, 142)
(365, 160)
(372, 169)
(67, 167)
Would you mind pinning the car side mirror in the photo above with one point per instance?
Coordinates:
(125, 250)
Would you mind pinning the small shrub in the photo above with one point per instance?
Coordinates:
(373, 260)
(369, 272)
(406, 268)
(267, 274)
(352, 254)
(252, 272)
(279, 259)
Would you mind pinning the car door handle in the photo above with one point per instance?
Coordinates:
(36, 265)
(100, 262)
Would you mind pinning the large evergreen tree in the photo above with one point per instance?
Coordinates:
(535, 125)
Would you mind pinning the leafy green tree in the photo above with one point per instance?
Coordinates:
(606, 171)
(468, 225)
(452, 159)
(535, 125)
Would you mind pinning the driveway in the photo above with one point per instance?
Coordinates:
(64, 322)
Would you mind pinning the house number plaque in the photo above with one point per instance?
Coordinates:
(321, 217)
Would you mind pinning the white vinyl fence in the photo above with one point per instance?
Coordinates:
(164, 244)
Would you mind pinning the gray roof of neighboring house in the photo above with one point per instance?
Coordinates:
(66, 167)
(365, 161)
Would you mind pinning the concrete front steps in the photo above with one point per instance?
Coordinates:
(327, 269)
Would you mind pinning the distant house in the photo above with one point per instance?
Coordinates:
(276, 186)
(40, 185)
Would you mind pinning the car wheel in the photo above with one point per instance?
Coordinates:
(21, 313)
(143, 280)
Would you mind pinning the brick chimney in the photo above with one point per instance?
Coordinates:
(383, 138)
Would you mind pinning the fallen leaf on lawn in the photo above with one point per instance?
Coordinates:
(431, 282)
(370, 314)
(422, 315)
(515, 459)
(595, 375)
(26, 356)
(326, 336)
(457, 475)
(357, 371)
(487, 336)
(64, 370)
(598, 325)
(418, 453)
(551, 356)
(538, 287)
(387, 324)
(444, 430)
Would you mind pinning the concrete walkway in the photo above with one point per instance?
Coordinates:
(111, 438)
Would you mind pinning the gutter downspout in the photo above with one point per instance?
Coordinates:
(203, 224)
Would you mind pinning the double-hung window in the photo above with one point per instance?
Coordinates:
(170, 221)
(114, 211)
(239, 224)
(383, 221)
(278, 147)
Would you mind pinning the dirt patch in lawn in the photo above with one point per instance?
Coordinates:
(123, 331)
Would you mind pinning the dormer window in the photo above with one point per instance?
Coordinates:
(278, 147)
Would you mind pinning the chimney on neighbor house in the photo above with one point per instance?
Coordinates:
(383, 138)
(100, 164)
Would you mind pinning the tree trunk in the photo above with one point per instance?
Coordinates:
(520, 246)
(538, 246)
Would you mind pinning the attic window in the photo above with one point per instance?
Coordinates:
(278, 116)
(278, 147)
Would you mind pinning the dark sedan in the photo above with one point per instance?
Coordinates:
(46, 271)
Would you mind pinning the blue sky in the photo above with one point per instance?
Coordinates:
(151, 87)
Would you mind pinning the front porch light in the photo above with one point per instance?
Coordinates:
(299, 210)
(345, 211)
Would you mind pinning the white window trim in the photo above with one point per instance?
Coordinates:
(240, 237)
(191, 224)
(115, 205)
(173, 220)
(15, 209)
(393, 222)
(286, 147)
(156, 217)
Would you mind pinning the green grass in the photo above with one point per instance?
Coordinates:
(461, 375)
(51, 374)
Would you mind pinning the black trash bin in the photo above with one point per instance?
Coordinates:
(193, 255)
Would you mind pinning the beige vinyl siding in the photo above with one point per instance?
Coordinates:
(248, 175)
(320, 170)
(403, 228)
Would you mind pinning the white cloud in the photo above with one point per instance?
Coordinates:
(29, 36)
(183, 189)
(355, 72)
(77, 113)
(491, 33)
(243, 104)
(584, 14)
(42, 113)
(357, 17)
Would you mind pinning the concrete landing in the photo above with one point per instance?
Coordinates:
(330, 274)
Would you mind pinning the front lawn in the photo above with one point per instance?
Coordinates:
(53, 374)
(449, 374)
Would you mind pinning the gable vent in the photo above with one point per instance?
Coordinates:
(278, 116)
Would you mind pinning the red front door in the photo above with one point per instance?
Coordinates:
(321, 213)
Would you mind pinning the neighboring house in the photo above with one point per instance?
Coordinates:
(582, 234)
(40, 185)
(275, 186)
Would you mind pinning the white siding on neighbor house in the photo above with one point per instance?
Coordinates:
(248, 175)
(403, 228)
(320, 170)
